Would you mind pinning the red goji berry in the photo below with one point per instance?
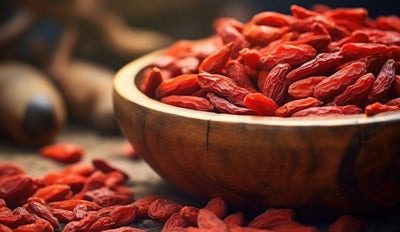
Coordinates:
(260, 104)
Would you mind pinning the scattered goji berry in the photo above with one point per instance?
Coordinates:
(63, 152)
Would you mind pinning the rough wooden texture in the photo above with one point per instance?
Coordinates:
(347, 163)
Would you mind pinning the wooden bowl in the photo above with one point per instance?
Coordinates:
(347, 163)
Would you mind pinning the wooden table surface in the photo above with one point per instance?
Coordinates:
(144, 181)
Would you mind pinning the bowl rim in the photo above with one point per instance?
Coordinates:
(124, 86)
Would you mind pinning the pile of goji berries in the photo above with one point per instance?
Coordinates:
(311, 63)
(93, 197)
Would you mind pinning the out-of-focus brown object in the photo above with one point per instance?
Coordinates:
(86, 87)
(31, 109)
(112, 29)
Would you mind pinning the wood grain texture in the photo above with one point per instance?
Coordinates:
(348, 163)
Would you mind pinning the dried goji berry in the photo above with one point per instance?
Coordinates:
(151, 79)
(101, 224)
(223, 86)
(319, 111)
(338, 81)
(4, 228)
(357, 92)
(262, 34)
(72, 203)
(124, 229)
(236, 71)
(143, 205)
(271, 18)
(377, 107)
(10, 169)
(294, 55)
(224, 106)
(359, 50)
(38, 226)
(190, 102)
(275, 84)
(184, 84)
(272, 218)
(81, 225)
(383, 82)
(297, 105)
(215, 62)
(55, 192)
(104, 166)
(260, 104)
(208, 220)
(234, 220)
(175, 223)
(394, 102)
(322, 63)
(42, 211)
(189, 214)
(305, 87)
(63, 152)
(162, 209)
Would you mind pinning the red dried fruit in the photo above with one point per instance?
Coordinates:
(190, 102)
(42, 211)
(72, 203)
(234, 220)
(189, 214)
(129, 151)
(215, 62)
(224, 106)
(184, 84)
(272, 218)
(4, 228)
(10, 169)
(151, 79)
(101, 224)
(74, 180)
(175, 223)
(337, 82)
(223, 86)
(82, 169)
(275, 84)
(271, 18)
(294, 55)
(357, 92)
(257, 102)
(82, 225)
(56, 192)
(322, 63)
(124, 229)
(63, 152)
(124, 214)
(359, 50)
(208, 220)
(297, 105)
(347, 223)
(261, 34)
(377, 107)
(218, 206)
(162, 209)
(319, 111)
(394, 102)
(383, 82)
(38, 226)
(143, 205)
(237, 72)
(305, 87)
(105, 167)
(63, 215)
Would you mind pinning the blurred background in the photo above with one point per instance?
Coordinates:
(70, 41)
